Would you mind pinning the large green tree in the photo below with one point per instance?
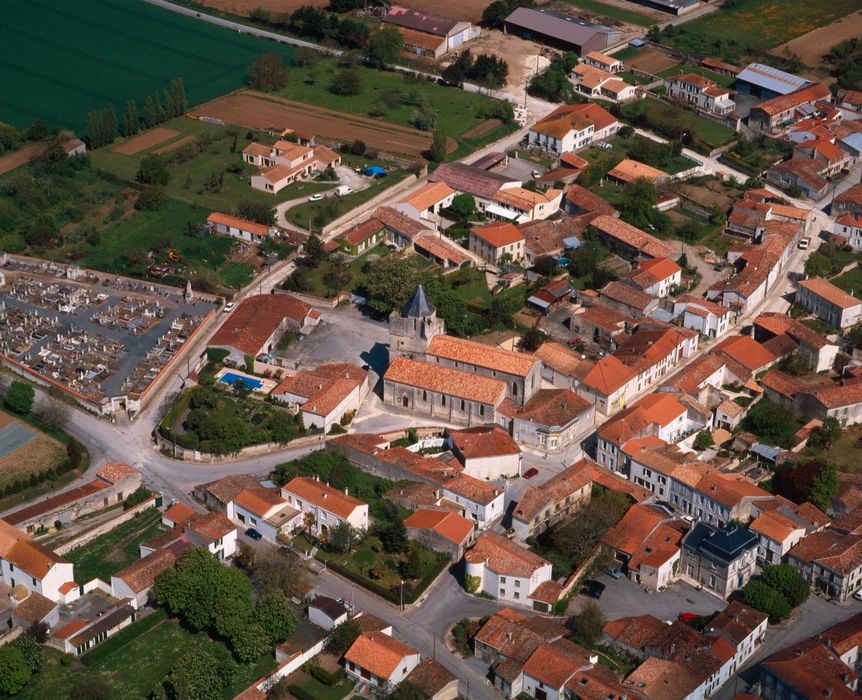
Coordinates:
(274, 615)
(766, 599)
(268, 72)
(19, 397)
(196, 676)
(14, 672)
(343, 636)
(788, 582)
(589, 622)
(250, 643)
(384, 46)
(153, 170)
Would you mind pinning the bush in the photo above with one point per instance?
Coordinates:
(472, 583)
(703, 440)
(136, 497)
(151, 199)
(319, 673)
(766, 599)
(19, 397)
(788, 582)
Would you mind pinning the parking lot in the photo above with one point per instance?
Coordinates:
(623, 597)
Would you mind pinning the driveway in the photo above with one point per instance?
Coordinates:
(623, 598)
(346, 176)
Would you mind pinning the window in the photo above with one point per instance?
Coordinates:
(443, 400)
(517, 595)
(463, 405)
(424, 395)
(517, 584)
(502, 579)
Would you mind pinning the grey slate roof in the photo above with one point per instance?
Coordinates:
(419, 306)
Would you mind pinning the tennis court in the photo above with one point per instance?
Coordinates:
(13, 435)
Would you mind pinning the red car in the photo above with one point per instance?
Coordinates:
(530, 473)
(576, 341)
(687, 617)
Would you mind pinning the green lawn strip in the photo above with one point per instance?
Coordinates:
(605, 159)
(316, 215)
(236, 274)
(633, 79)
(316, 689)
(845, 451)
(850, 281)
(123, 637)
(660, 114)
(613, 11)
(317, 286)
(116, 549)
(763, 24)
(723, 80)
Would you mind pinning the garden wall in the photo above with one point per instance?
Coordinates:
(183, 454)
(377, 200)
(105, 527)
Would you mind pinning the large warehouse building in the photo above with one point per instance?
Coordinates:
(560, 31)
(766, 82)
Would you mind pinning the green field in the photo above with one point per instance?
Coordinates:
(670, 121)
(85, 54)
(723, 80)
(612, 11)
(763, 24)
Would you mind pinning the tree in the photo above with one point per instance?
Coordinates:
(90, 686)
(579, 536)
(406, 691)
(826, 435)
(53, 413)
(589, 623)
(151, 199)
(178, 90)
(812, 479)
(457, 71)
(19, 397)
(342, 537)
(250, 643)
(413, 565)
(268, 72)
(347, 81)
(313, 251)
(274, 616)
(545, 266)
(824, 486)
(342, 637)
(31, 650)
(196, 676)
(384, 46)
(389, 282)
(817, 265)
(358, 148)
(788, 582)
(153, 170)
(771, 421)
(253, 210)
(131, 120)
(766, 599)
(280, 571)
(437, 152)
(14, 672)
(393, 536)
(230, 616)
(151, 111)
(532, 340)
(703, 440)
(463, 205)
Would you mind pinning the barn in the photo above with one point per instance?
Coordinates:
(560, 31)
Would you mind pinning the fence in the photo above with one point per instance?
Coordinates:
(187, 454)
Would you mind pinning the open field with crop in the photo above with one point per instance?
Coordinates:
(84, 55)
(812, 46)
(465, 9)
(25, 451)
(651, 61)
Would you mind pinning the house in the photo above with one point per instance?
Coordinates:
(744, 628)
(505, 570)
(815, 350)
(602, 325)
(828, 302)
(606, 63)
(594, 82)
(265, 510)
(520, 371)
(560, 364)
(841, 401)
(25, 562)
(258, 323)
(701, 92)
(722, 560)
(849, 227)
(656, 277)
(326, 613)
(629, 241)
(747, 352)
(632, 634)
(239, 228)
(217, 495)
(824, 151)
(626, 299)
(497, 243)
(427, 201)
(771, 115)
(831, 559)
(541, 507)
(479, 501)
(822, 666)
(74, 147)
(552, 295)
(412, 327)
(777, 533)
(113, 484)
(607, 385)
(440, 530)
(433, 680)
(427, 388)
(361, 237)
(324, 507)
(136, 580)
(285, 163)
(380, 660)
(422, 29)
(629, 171)
(660, 415)
(400, 230)
(722, 67)
(551, 666)
(579, 200)
(551, 421)
(848, 202)
(326, 395)
(520, 205)
(560, 30)
(508, 639)
(470, 179)
(214, 532)
(646, 542)
(440, 250)
(766, 82)
(551, 237)
(757, 206)
(658, 679)
(85, 630)
(809, 174)
(178, 515)
(707, 318)
(654, 349)
(571, 127)
(486, 452)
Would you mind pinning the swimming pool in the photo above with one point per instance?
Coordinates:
(248, 382)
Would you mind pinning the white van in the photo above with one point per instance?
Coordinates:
(343, 190)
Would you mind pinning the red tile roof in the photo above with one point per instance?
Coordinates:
(256, 319)
(469, 352)
(378, 653)
(210, 526)
(745, 350)
(116, 471)
(828, 291)
(445, 380)
(322, 496)
(503, 556)
(783, 103)
(449, 525)
(608, 375)
(483, 441)
(630, 171)
(499, 234)
(553, 664)
(632, 236)
(235, 222)
(179, 512)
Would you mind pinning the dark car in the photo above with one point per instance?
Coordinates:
(254, 534)
(593, 589)
(530, 473)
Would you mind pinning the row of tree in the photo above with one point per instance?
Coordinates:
(317, 24)
(486, 70)
(102, 127)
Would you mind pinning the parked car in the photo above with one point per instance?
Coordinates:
(315, 197)
(574, 342)
(858, 594)
(718, 267)
(254, 534)
(230, 306)
(687, 617)
(530, 473)
(614, 572)
(593, 589)
(804, 243)
(342, 191)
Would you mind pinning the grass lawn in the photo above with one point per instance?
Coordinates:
(850, 281)
(116, 549)
(845, 452)
(631, 78)
(763, 24)
(316, 689)
(316, 283)
(457, 111)
(236, 274)
(315, 215)
(606, 159)
(661, 117)
(134, 668)
(723, 80)
(218, 148)
(613, 11)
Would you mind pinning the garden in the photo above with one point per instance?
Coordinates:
(214, 418)
(703, 135)
(332, 274)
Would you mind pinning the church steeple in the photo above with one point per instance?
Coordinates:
(418, 306)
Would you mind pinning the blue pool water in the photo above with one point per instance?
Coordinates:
(248, 382)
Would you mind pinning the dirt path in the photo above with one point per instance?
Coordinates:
(146, 140)
(17, 158)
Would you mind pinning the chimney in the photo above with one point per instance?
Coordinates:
(325, 495)
(346, 491)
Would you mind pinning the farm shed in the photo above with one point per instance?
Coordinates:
(430, 34)
(766, 82)
(560, 31)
